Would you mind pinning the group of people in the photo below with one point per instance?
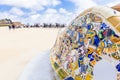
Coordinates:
(44, 25)
(11, 27)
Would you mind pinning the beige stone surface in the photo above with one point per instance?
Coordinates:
(18, 47)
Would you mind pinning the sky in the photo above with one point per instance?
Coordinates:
(47, 11)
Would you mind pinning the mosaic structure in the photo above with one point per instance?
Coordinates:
(90, 38)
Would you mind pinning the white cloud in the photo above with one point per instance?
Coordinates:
(31, 4)
(51, 15)
(81, 5)
(54, 16)
(84, 4)
(64, 11)
(35, 17)
(16, 11)
(113, 3)
(55, 2)
(6, 15)
(50, 10)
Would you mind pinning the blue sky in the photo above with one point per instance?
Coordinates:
(50, 11)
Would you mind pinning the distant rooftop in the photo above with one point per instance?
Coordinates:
(5, 22)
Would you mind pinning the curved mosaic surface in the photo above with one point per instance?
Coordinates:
(88, 39)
